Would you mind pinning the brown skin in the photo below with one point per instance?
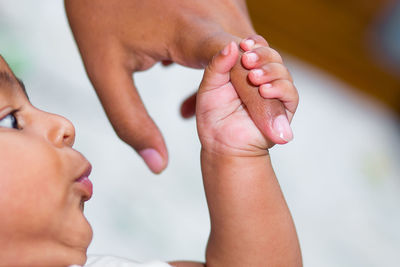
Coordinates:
(119, 37)
(250, 222)
(42, 221)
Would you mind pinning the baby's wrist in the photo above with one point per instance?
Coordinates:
(222, 145)
(214, 163)
(221, 150)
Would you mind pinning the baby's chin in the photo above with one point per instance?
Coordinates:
(79, 254)
(88, 235)
(78, 235)
(76, 259)
(82, 228)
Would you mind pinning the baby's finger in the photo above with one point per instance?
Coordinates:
(269, 73)
(217, 72)
(252, 42)
(260, 56)
(283, 90)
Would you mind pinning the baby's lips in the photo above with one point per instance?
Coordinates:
(84, 184)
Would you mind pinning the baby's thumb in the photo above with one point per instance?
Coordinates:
(218, 70)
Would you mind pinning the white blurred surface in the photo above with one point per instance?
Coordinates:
(340, 175)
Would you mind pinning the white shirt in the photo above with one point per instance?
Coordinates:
(111, 261)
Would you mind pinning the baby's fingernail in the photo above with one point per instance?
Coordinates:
(282, 128)
(257, 72)
(226, 49)
(153, 159)
(252, 57)
(249, 43)
(264, 88)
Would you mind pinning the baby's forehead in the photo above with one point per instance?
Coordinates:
(3, 65)
(8, 79)
(6, 75)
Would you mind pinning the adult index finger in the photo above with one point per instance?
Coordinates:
(268, 114)
(119, 96)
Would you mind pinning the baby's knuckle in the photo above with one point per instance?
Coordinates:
(296, 92)
(259, 40)
(279, 69)
(268, 69)
(286, 85)
(274, 55)
(283, 71)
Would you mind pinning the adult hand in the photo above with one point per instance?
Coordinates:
(119, 37)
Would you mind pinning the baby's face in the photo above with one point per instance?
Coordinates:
(42, 184)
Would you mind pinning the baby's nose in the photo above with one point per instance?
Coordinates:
(61, 132)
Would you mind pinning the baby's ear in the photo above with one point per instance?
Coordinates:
(218, 70)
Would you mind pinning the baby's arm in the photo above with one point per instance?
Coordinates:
(250, 222)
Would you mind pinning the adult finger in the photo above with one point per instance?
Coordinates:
(127, 114)
(166, 63)
(188, 107)
(269, 115)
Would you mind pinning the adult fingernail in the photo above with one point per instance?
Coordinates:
(249, 43)
(153, 159)
(282, 128)
(252, 57)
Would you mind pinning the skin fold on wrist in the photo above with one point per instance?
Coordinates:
(210, 152)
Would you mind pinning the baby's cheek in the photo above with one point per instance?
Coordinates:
(29, 191)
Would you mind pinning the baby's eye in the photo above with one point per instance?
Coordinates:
(9, 121)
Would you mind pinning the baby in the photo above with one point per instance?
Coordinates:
(44, 181)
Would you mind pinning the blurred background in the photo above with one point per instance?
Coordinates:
(340, 175)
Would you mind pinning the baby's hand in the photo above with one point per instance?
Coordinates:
(269, 73)
(223, 122)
